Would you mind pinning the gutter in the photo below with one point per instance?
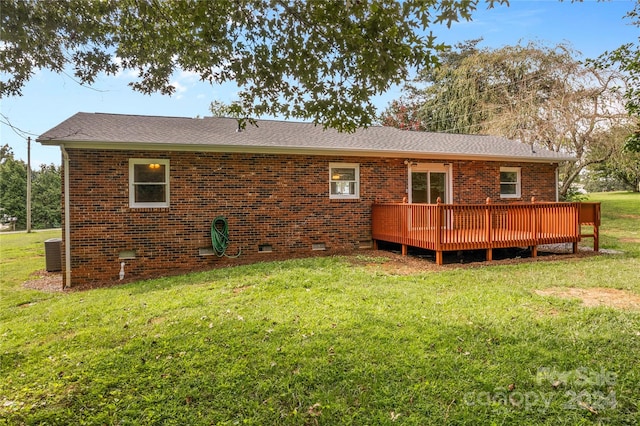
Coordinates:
(307, 150)
(67, 218)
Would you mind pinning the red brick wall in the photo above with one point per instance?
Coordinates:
(475, 181)
(278, 200)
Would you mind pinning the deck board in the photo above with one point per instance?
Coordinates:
(448, 227)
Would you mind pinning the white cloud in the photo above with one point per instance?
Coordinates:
(129, 74)
(188, 75)
(180, 89)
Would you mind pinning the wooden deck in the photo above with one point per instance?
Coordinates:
(453, 227)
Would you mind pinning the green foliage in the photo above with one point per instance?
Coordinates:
(13, 190)
(45, 193)
(327, 341)
(627, 59)
(46, 203)
(574, 194)
(233, 110)
(5, 152)
(539, 95)
(632, 144)
(452, 99)
(319, 60)
(620, 171)
(597, 181)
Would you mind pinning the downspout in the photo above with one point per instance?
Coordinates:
(67, 216)
(557, 183)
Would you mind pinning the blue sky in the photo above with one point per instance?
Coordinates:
(590, 27)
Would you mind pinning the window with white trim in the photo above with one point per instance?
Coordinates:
(148, 183)
(344, 180)
(510, 182)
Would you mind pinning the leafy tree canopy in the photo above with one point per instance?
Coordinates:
(621, 170)
(13, 189)
(319, 60)
(6, 152)
(632, 142)
(46, 208)
(45, 193)
(539, 95)
(627, 57)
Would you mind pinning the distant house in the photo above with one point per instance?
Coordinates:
(144, 190)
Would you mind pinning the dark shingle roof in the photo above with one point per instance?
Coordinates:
(116, 131)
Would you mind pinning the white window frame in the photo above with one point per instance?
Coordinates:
(428, 168)
(517, 183)
(132, 183)
(356, 168)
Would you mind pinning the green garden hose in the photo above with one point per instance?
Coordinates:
(220, 236)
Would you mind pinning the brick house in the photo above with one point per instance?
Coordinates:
(144, 190)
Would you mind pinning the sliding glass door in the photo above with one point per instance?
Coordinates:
(427, 185)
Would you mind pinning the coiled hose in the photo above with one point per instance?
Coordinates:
(220, 237)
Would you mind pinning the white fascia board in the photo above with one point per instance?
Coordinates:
(256, 149)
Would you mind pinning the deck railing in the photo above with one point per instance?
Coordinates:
(452, 227)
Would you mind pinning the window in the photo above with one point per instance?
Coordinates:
(509, 182)
(344, 180)
(148, 183)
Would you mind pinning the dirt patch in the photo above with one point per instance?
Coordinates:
(630, 216)
(45, 281)
(630, 240)
(597, 296)
(156, 320)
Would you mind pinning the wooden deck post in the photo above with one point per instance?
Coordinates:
(596, 227)
(589, 214)
(487, 220)
(438, 233)
(534, 228)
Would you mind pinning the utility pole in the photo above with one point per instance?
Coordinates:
(29, 184)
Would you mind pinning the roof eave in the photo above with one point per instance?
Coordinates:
(258, 149)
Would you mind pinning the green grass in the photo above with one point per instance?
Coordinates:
(620, 219)
(327, 341)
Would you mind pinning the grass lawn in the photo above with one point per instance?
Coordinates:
(328, 341)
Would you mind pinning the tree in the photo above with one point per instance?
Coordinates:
(448, 103)
(46, 193)
(627, 59)
(539, 95)
(13, 190)
(624, 164)
(403, 114)
(5, 152)
(632, 143)
(320, 60)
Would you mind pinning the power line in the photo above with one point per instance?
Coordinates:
(18, 131)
